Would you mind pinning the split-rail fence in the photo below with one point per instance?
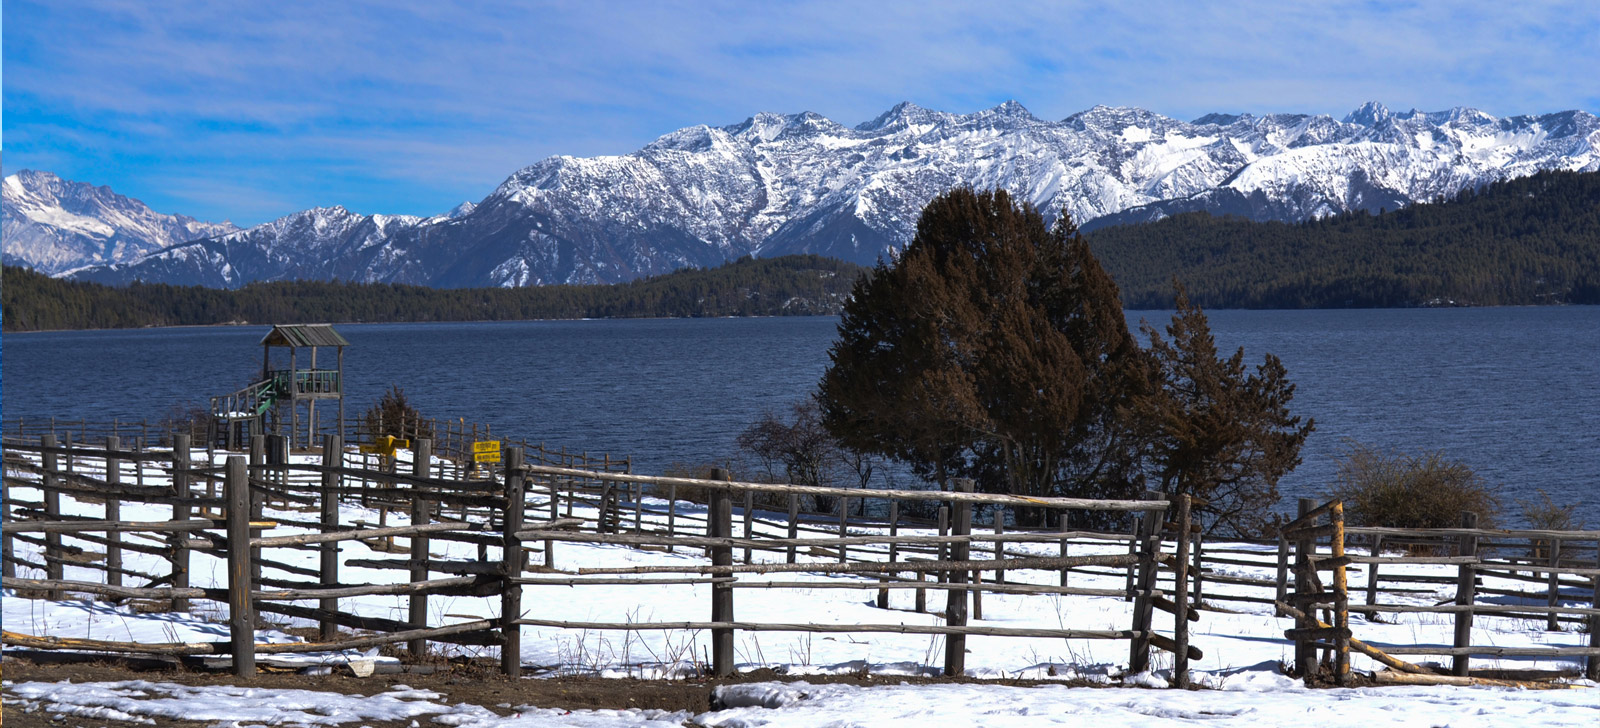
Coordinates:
(518, 512)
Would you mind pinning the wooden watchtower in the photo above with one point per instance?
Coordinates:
(286, 395)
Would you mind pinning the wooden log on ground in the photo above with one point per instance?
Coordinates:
(1357, 645)
(1493, 651)
(1387, 677)
(71, 643)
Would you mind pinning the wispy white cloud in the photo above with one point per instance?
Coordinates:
(421, 105)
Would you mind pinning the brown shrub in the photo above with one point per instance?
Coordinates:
(1403, 490)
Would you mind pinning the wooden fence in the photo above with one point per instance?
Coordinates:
(217, 510)
(747, 529)
(1547, 556)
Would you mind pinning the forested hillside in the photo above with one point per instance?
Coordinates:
(791, 285)
(1534, 240)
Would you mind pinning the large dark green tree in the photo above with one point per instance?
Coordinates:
(993, 347)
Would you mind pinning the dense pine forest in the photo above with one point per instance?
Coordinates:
(791, 285)
(1534, 240)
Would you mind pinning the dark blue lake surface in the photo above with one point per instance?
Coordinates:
(1513, 392)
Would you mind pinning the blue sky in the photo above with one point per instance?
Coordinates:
(253, 110)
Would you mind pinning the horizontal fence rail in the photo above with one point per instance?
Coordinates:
(520, 513)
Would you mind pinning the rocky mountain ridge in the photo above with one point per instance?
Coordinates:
(56, 225)
(800, 183)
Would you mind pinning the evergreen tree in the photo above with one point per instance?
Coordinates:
(1214, 430)
(995, 348)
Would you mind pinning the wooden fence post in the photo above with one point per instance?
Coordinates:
(1147, 543)
(1133, 550)
(180, 512)
(52, 511)
(1305, 655)
(638, 498)
(1553, 623)
(794, 524)
(844, 521)
(999, 546)
(8, 548)
(955, 612)
(1341, 599)
(555, 512)
(421, 513)
(1372, 576)
(944, 547)
(672, 516)
(1283, 570)
(332, 457)
(719, 524)
(514, 557)
(113, 512)
(241, 611)
(1593, 668)
(894, 551)
(749, 520)
(1064, 524)
(273, 449)
(1466, 594)
(1180, 597)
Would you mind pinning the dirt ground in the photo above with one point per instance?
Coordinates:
(459, 684)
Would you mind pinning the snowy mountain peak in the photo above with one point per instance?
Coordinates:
(1369, 114)
(1009, 109)
(903, 115)
(56, 225)
(1215, 119)
(778, 184)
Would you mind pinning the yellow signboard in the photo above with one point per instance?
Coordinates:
(386, 445)
(487, 451)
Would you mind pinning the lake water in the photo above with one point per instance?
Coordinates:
(1513, 392)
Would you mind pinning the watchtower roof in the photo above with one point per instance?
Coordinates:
(303, 335)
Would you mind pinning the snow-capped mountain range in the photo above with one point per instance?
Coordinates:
(55, 225)
(801, 183)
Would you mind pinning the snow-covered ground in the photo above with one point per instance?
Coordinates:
(1243, 647)
(1255, 700)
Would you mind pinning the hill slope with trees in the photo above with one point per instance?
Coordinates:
(791, 285)
(1534, 240)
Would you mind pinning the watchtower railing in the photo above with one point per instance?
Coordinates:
(244, 402)
(306, 381)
